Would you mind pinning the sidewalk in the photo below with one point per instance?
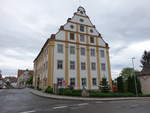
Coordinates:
(42, 94)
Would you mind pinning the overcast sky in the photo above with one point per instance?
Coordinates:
(26, 24)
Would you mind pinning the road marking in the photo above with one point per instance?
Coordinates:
(28, 111)
(82, 104)
(59, 107)
(134, 106)
(99, 102)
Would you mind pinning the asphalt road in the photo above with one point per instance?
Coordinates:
(22, 101)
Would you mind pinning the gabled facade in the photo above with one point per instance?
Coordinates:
(145, 79)
(23, 76)
(75, 56)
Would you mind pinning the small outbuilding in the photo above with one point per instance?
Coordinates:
(145, 79)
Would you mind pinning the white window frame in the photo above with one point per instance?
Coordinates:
(92, 52)
(72, 50)
(82, 51)
(93, 66)
(72, 65)
(83, 66)
(60, 48)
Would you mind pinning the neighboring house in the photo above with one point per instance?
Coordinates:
(76, 55)
(10, 81)
(145, 79)
(1, 81)
(23, 76)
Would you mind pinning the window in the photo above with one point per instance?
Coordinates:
(71, 26)
(82, 51)
(81, 20)
(91, 30)
(59, 64)
(72, 50)
(59, 81)
(83, 81)
(102, 53)
(72, 65)
(92, 39)
(72, 81)
(82, 28)
(103, 66)
(71, 36)
(83, 66)
(94, 81)
(93, 66)
(82, 38)
(60, 48)
(81, 12)
(92, 52)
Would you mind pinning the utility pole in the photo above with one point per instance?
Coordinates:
(135, 83)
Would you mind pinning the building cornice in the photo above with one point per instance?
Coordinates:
(83, 44)
(81, 24)
(51, 38)
(81, 15)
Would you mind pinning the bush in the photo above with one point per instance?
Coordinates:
(68, 92)
(100, 94)
(49, 90)
(76, 92)
(61, 91)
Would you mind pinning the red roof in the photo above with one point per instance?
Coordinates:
(20, 72)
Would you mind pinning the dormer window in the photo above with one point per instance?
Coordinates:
(81, 28)
(91, 30)
(71, 26)
(81, 12)
(81, 20)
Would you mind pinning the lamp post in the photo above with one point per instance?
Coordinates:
(135, 83)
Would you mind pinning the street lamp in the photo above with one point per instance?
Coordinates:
(134, 76)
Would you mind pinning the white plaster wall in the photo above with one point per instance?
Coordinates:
(58, 73)
(83, 73)
(60, 35)
(72, 57)
(67, 26)
(93, 72)
(94, 31)
(103, 60)
(101, 42)
(145, 84)
(86, 21)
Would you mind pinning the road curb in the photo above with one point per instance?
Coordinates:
(45, 95)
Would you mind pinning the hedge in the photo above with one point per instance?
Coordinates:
(100, 94)
(92, 93)
(49, 90)
(68, 92)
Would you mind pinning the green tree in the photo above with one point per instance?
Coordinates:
(145, 58)
(126, 72)
(131, 84)
(30, 80)
(104, 86)
(120, 84)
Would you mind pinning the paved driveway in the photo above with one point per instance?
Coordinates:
(22, 101)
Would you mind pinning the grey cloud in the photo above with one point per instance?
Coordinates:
(25, 25)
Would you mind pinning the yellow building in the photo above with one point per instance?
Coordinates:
(76, 55)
